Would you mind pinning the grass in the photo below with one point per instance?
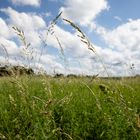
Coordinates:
(69, 108)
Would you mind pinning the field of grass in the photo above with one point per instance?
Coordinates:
(40, 108)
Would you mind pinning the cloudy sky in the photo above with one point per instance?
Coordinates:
(112, 26)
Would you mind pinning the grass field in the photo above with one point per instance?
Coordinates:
(40, 108)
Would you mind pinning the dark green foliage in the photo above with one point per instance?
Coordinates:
(15, 70)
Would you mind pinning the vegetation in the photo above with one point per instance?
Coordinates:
(15, 70)
(69, 108)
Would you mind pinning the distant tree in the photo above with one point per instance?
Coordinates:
(15, 70)
(57, 75)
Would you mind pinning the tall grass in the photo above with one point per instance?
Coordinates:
(67, 109)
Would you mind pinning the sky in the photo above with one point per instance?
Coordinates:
(111, 26)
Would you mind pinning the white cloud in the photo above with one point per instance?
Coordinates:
(30, 23)
(4, 61)
(5, 31)
(117, 18)
(124, 37)
(32, 26)
(9, 45)
(26, 21)
(70, 43)
(125, 43)
(78, 56)
(35, 3)
(83, 11)
(33, 38)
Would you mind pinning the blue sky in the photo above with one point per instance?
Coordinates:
(113, 27)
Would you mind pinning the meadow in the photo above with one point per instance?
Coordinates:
(69, 108)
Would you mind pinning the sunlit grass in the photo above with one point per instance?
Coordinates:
(65, 108)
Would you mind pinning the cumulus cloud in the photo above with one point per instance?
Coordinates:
(124, 41)
(9, 45)
(9, 52)
(5, 32)
(83, 61)
(124, 37)
(83, 11)
(33, 25)
(70, 43)
(76, 53)
(35, 3)
(30, 23)
(26, 21)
